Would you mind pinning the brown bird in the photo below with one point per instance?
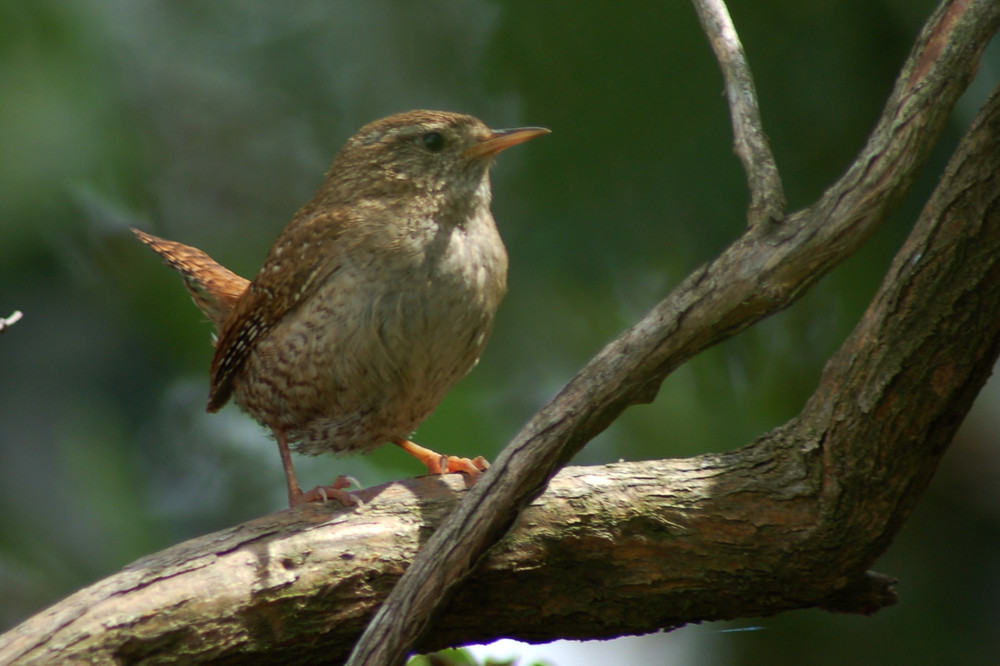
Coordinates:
(373, 302)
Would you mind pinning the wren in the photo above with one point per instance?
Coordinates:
(378, 296)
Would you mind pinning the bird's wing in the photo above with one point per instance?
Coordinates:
(303, 258)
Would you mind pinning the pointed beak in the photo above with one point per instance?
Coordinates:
(498, 140)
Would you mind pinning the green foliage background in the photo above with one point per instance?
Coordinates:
(211, 122)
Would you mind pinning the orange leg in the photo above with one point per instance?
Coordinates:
(439, 464)
(319, 493)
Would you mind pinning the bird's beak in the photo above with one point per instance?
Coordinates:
(498, 140)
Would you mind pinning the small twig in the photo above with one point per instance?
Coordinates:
(6, 322)
(767, 199)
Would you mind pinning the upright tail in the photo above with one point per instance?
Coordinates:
(214, 288)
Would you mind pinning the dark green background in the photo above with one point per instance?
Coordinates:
(210, 122)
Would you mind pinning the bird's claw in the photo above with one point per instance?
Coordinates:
(473, 468)
(335, 491)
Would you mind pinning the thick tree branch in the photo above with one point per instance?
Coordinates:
(763, 272)
(297, 587)
(767, 198)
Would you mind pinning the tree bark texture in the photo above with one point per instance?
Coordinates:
(792, 520)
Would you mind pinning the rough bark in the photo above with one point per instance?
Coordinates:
(792, 520)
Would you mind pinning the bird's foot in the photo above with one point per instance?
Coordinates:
(335, 491)
(439, 464)
(473, 468)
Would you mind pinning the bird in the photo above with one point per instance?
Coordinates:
(375, 299)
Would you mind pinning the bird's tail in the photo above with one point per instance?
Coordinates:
(214, 288)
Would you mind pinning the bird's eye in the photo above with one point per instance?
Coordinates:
(433, 141)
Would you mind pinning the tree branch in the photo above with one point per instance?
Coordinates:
(767, 198)
(761, 273)
(297, 586)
